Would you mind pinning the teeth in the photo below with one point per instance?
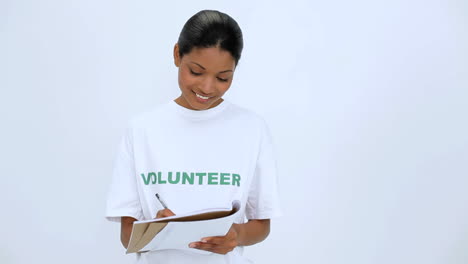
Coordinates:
(202, 97)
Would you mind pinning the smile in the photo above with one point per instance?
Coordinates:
(202, 97)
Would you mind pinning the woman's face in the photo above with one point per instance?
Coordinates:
(207, 72)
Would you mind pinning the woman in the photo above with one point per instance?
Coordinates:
(226, 149)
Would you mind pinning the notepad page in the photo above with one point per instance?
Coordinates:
(178, 235)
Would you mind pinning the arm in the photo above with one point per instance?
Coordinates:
(126, 229)
(252, 232)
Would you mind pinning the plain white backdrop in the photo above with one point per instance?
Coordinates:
(367, 102)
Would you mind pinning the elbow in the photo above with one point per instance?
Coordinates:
(266, 224)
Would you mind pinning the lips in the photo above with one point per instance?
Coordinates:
(202, 99)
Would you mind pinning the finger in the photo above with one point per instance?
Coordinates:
(164, 213)
(218, 240)
(204, 246)
(231, 235)
(168, 212)
(220, 249)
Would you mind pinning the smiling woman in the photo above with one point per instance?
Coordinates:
(205, 74)
(199, 151)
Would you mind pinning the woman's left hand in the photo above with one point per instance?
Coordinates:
(218, 244)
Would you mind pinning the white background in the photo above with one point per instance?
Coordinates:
(367, 102)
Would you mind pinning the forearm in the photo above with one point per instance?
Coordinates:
(252, 232)
(126, 230)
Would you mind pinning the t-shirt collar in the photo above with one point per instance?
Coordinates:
(200, 114)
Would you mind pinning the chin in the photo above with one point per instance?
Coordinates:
(198, 106)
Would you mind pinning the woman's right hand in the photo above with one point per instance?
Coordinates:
(164, 213)
(127, 225)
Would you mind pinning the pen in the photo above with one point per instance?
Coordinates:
(161, 201)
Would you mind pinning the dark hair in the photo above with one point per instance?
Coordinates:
(211, 28)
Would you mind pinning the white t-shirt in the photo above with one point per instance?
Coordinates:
(194, 159)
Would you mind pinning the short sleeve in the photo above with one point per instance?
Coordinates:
(122, 197)
(263, 198)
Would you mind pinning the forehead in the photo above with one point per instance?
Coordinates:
(212, 58)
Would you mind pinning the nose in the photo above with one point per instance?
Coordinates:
(207, 87)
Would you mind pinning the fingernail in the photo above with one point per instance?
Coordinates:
(192, 245)
(204, 240)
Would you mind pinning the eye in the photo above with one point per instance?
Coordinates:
(195, 73)
(198, 74)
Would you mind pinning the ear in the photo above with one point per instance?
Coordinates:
(176, 55)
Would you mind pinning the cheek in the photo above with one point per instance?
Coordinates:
(225, 86)
(185, 80)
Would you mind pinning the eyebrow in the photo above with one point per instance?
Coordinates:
(205, 69)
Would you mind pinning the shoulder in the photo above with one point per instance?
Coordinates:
(251, 117)
(150, 115)
(254, 122)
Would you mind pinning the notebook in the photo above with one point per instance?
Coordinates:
(176, 232)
